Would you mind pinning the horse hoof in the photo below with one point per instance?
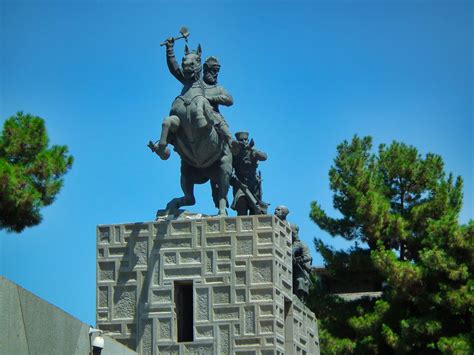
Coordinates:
(164, 154)
(223, 213)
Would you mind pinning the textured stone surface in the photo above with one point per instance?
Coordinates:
(253, 342)
(205, 331)
(119, 252)
(224, 339)
(147, 339)
(266, 326)
(240, 295)
(170, 259)
(240, 278)
(249, 320)
(168, 350)
(106, 271)
(199, 349)
(202, 303)
(190, 257)
(178, 228)
(226, 313)
(244, 245)
(230, 225)
(264, 222)
(218, 241)
(221, 295)
(104, 235)
(266, 310)
(246, 224)
(126, 277)
(164, 328)
(262, 271)
(112, 329)
(209, 261)
(240, 270)
(103, 297)
(176, 243)
(223, 267)
(261, 294)
(140, 251)
(183, 272)
(265, 238)
(124, 302)
(213, 226)
(223, 255)
(161, 296)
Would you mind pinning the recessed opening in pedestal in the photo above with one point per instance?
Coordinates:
(183, 301)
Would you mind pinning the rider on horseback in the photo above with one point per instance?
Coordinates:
(216, 94)
(192, 128)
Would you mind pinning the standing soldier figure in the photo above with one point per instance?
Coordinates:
(281, 212)
(247, 185)
(301, 265)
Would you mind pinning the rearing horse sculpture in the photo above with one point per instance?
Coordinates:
(190, 129)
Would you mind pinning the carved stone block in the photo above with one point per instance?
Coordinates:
(229, 279)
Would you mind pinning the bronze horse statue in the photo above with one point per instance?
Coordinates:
(190, 128)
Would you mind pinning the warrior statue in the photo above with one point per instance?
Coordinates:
(282, 212)
(191, 129)
(217, 95)
(301, 257)
(301, 265)
(246, 183)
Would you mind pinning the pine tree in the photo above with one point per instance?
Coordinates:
(31, 173)
(405, 209)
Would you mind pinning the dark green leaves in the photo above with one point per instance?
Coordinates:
(406, 209)
(30, 172)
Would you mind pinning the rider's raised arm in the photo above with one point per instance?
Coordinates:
(222, 98)
(173, 65)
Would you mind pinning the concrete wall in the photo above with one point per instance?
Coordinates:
(240, 271)
(30, 325)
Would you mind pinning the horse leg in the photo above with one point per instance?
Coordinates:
(187, 185)
(215, 192)
(220, 200)
(223, 181)
(170, 124)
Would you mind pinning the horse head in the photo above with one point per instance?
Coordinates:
(191, 64)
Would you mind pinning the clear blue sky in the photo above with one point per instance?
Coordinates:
(304, 76)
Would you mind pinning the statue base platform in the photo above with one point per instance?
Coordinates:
(211, 285)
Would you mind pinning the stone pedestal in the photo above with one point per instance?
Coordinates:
(220, 285)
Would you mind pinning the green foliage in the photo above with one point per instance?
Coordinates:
(406, 209)
(30, 172)
(333, 345)
(331, 314)
(356, 259)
